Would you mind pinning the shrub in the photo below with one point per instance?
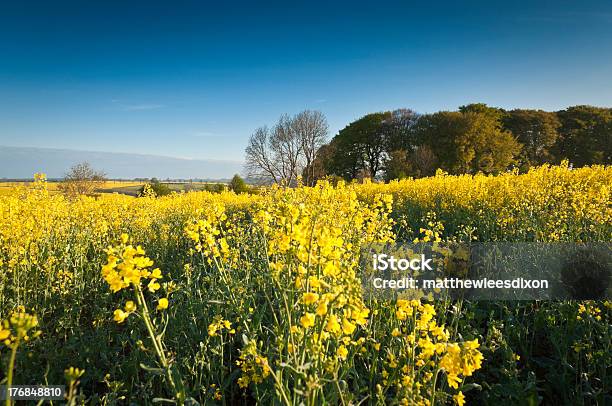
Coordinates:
(238, 185)
(154, 188)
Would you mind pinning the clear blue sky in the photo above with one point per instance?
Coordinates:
(193, 79)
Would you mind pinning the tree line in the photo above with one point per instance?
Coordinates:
(402, 143)
(83, 180)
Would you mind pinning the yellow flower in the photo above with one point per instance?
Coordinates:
(309, 298)
(453, 380)
(314, 282)
(120, 316)
(276, 266)
(162, 304)
(307, 320)
(72, 373)
(125, 265)
(332, 325)
(212, 329)
(459, 398)
(153, 286)
(243, 381)
(342, 352)
(218, 325)
(130, 306)
(347, 327)
(156, 273)
(322, 309)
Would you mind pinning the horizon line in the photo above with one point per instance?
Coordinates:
(126, 153)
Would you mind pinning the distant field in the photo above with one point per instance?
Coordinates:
(53, 187)
(127, 187)
(133, 189)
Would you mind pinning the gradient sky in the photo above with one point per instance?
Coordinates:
(194, 79)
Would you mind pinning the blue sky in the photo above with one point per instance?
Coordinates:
(194, 79)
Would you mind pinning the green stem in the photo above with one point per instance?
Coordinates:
(147, 320)
(280, 387)
(157, 345)
(433, 391)
(9, 376)
(71, 393)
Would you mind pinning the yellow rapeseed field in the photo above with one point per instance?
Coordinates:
(8, 188)
(225, 298)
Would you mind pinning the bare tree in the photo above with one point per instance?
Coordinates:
(82, 179)
(311, 129)
(281, 154)
(288, 146)
(425, 160)
(260, 156)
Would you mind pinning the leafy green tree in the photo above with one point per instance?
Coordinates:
(343, 159)
(468, 141)
(585, 136)
(438, 131)
(537, 131)
(214, 187)
(494, 113)
(363, 144)
(402, 164)
(238, 185)
(362, 147)
(321, 166)
(400, 130)
(398, 166)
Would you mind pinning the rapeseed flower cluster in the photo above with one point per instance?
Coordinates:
(218, 326)
(127, 265)
(19, 327)
(420, 350)
(254, 367)
(589, 309)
